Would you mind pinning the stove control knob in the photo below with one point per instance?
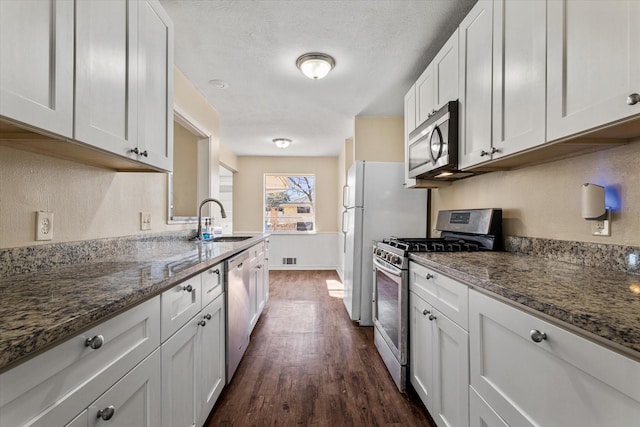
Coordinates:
(396, 259)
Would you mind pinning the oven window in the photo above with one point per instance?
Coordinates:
(388, 288)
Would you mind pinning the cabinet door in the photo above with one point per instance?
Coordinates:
(593, 64)
(562, 380)
(451, 372)
(179, 304)
(519, 67)
(155, 85)
(475, 86)
(180, 358)
(212, 357)
(134, 401)
(106, 75)
(421, 357)
(254, 280)
(263, 285)
(424, 95)
(36, 63)
(409, 126)
(445, 72)
(481, 414)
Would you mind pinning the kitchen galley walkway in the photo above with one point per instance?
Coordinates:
(309, 364)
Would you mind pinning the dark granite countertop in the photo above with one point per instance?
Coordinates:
(604, 304)
(41, 309)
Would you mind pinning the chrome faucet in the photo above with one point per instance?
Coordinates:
(222, 212)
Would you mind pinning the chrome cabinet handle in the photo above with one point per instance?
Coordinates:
(240, 265)
(537, 336)
(428, 276)
(144, 153)
(207, 316)
(432, 317)
(135, 151)
(425, 312)
(187, 288)
(633, 99)
(94, 342)
(202, 323)
(494, 150)
(216, 271)
(484, 153)
(106, 413)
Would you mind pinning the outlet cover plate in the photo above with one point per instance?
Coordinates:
(145, 220)
(44, 225)
(603, 227)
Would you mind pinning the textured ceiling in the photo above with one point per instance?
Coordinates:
(380, 48)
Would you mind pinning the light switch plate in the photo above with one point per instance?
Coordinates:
(145, 220)
(44, 225)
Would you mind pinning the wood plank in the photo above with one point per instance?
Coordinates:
(309, 364)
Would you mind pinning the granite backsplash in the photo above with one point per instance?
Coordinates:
(625, 259)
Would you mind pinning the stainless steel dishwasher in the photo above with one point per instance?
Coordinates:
(237, 311)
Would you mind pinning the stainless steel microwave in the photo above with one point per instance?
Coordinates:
(433, 146)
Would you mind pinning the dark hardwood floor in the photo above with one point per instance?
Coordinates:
(309, 364)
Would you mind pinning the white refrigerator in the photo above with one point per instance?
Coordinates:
(376, 206)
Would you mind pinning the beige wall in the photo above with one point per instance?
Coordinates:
(379, 139)
(544, 201)
(248, 189)
(228, 158)
(88, 202)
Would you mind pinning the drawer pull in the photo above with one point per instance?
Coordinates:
(106, 413)
(425, 312)
(537, 336)
(432, 317)
(202, 323)
(187, 288)
(428, 276)
(207, 316)
(633, 99)
(94, 342)
(216, 271)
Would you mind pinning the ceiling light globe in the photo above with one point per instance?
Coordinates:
(315, 65)
(282, 142)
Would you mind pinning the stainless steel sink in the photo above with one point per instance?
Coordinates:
(228, 239)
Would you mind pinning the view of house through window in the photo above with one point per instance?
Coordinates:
(289, 203)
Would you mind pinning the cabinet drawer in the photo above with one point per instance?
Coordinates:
(50, 388)
(448, 296)
(179, 304)
(481, 414)
(562, 380)
(212, 283)
(256, 253)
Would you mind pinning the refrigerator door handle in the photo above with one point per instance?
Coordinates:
(344, 222)
(345, 196)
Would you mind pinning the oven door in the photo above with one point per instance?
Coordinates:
(390, 306)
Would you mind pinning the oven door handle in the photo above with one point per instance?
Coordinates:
(387, 268)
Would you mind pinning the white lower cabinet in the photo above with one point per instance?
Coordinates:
(481, 414)
(258, 282)
(193, 367)
(533, 373)
(52, 388)
(439, 359)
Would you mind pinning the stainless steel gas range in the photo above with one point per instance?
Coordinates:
(461, 231)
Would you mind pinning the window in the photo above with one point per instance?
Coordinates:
(289, 203)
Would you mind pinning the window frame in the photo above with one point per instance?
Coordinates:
(312, 204)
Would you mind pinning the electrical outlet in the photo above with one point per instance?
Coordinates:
(145, 220)
(602, 228)
(44, 225)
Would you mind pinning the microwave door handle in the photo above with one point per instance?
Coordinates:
(389, 269)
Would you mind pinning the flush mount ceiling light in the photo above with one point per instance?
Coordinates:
(315, 65)
(282, 142)
(219, 84)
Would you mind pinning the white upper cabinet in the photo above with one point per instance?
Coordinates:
(409, 126)
(445, 73)
(155, 85)
(106, 75)
(475, 85)
(36, 63)
(593, 64)
(519, 67)
(425, 101)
